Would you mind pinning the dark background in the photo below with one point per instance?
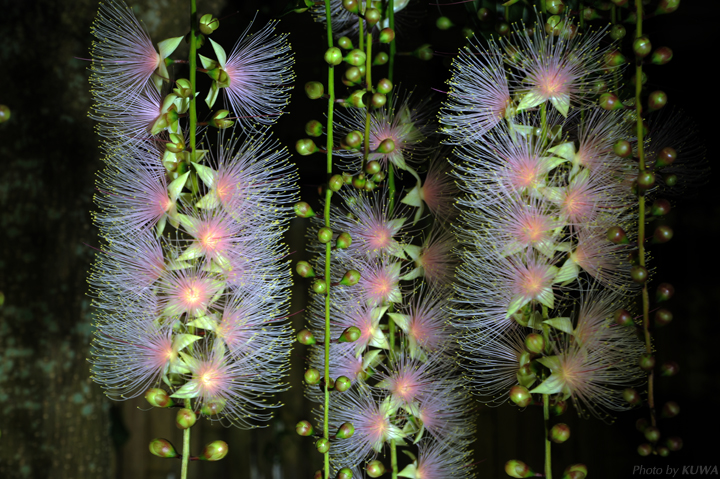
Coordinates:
(55, 422)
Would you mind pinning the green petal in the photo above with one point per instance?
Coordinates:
(553, 384)
(219, 52)
(563, 324)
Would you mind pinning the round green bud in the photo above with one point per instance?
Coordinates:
(617, 32)
(304, 269)
(375, 468)
(670, 180)
(4, 113)
(213, 408)
(662, 451)
(667, 6)
(423, 52)
(520, 396)
(306, 337)
(208, 24)
(663, 316)
(312, 376)
(322, 445)
(575, 471)
(350, 335)
(343, 241)
(353, 75)
(185, 418)
(662, 234)
(344, 473)
(313, 128)
(660, 207)
(616, 234)
(303, 210)
(557, 408)
(657, 100)
(378, 177)
(622, 148)
(378, 100)
(380, 59)
(319, 286)
(610, 101)
(484, 14)
(345, 43)
(555, 7)
(372, 167)
(372, 16)
(386, 35)
(350, 278)
(162, 448)
(669, 368)
(614, 59)
(158, 398)
(356, 99)
(642, 47)
(304, 428)
(652, 434)
(518, 469)
(665, 157)
(647, 362)
(314, 90)
(359, 181)
(535, 343)
(354, 139)
(342, 383)
(386, 146)
(502, 28)
(559, 433)
(347, 177)
(384, 86)
(335, 183)
(670, 409)
(333, 56)
(645, 180)
(305, 147)
(351, 6)
(443, 23)
(664, 292)
(355, 57)
(661, 56)
(324, 235)
(345, 431)
(631, 396)
(214, 451)
(674, 443)
(639, 274)
(624, 318)
(644, 449)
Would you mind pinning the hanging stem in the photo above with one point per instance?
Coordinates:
(393, 47)
(369, 89)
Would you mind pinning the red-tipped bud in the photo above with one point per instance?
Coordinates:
(664, 292)
(555, 7)
(669, 368)
(313, 128)
(663, 317)
(375, 468)
(335, 183)
(484, 14)
(355, 57)
(305, 147)
(344, 473)
(213, 407)
(4, 113)
(378, 100)
(670, 180)
(632, 397)
(520, 396)
(304, 428)
(319, 286)
(354, 139)
(535, 343)
(312, 376)
(324, 235)
(662, 234)
(642, 47)
(645, 180)
(644, 449)
(359, 181)
(610, 101)
(558, 408)
(345, 431)
(322, 445)
(667, 6)
(214, 451)
(373, 167)
(660, 207)
(343, 241)
(185, 418)
(158, 398)
(652, 434)
(345, 43)
(303, 210)
(372, 16)
(304, 269)
(333, 56)
(624, 318)
(647, 362)
(515, 468)
(350, 278)
(661, 56)
(380, 59)
(353, 75)
(384, 86)
(162, 448)
(319, 475)
(575, 471)
(674, 443)
(423, 52)
(350, 335)
(622, 148)
(314, 90)
(386, 146)
(342, 383)
(351, 6)
(305, 337)
(378, 177)
(560, 433)
(617, 32)
(670, 409)
(657, 100)
(614, 59)
(665, 157)
(386, 35)
(639, 274)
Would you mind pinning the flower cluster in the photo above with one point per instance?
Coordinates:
(190, 284)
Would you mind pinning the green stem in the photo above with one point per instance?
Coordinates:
(369, 89)
(186, 446)
(193, 67)
(548, 444)
(393, 459)
(393, 47)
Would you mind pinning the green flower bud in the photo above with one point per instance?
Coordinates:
(356, 99)
(378, 177)
(345, 431)
(661, 56)
(342, 383)
(652, 434)
(663, 316)
(669, 368)
(353, 75)
(344, 473)
(617, 235)
(520, 396)
(162, 448)
(575, 471)
(355, 57)
(322, 445)
(343, 241)
(324, 235)
(617, 32)
(312, 376)
(535, 343)
(158, 398)
(644, 449)
(423, 52)
(305, 147)
(214, 451)
(213, 408)
(639, 274)
(304, 428)
(372, 16)
(387, 35)
(350, 335)
(666, 157)
(386, 146)
(208, 24)
(185, 418)
(375, 468)
(354, 139)
(313, 128)
(670, 409)
(657, 100)
(443, 23)
(304, 269)
(319, 286)
(380, 59)
(351, 278)
(518, 469)
(662, 234)
(660, 207)
(624, 318)
(335, 183)
(642, 47)
(667, 6)
(670, 180)
(351, 6)
(359, 181)
(305, 337)
(384, 86)
(610, 101)
(303, 210)
(4, 113)
(631, 396)
(622, 148)
(674, 443)
(378, 100)
(345, 43)
(664, 292)
(647, 362)
(559, 433)
(333, 56)
(484, 14)
(314, 90)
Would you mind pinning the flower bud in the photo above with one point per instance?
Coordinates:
(555, 7)
(423, 52)
(322, 445)
(384, 86)
(624, 318)
(319, 286)
(622, 148)
(557, 408)
(617, 32)
(353, 75)
(662, 451)
(665, 157)
(344, 473)
(304, 269)
(559, 433)
(345, 43)
(350, 278)
(670, 180)
(661, 56)
(535, 343)
(4, 113)
(162, 448)
(520, 396)
(670, 409)
(674, 443)
(359, 181)
(669, 368)
(305, 337)
(304, 428)
(375, 468)
(313, 128)
(515, 468)
(644, 449)
(617, 235)
(158, 398)
(647, 362)
(356, 99)
(213, 407)
(645, 180)
(657, 100)
(386, 146)
(208, 24)
(662, 234)
(183, 88)
(575, 471)
(314, 90)
(667, 6)
(219, 121)
(312, 376)
(355, 57)
(354, 139)
(631, 396)
(663, 316)
(642, 47)
(185, 418)
(305, 147)
(652, 434)
(214, 451)
(303, 210)
(660, 207)
(378, 100)
(350, 335)
(351, 6)
(335, 183)
(614, 59)
(664, 292)
(345, 431)
(342, 383)
(372, 16)
(343, 241)
(610, 101)
(380, 59)
(333, 56)
(639, 274)
(319, 475)
(378, 177)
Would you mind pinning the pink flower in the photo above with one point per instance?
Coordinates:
(189, 291)
(608, 263)
(438, 460)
